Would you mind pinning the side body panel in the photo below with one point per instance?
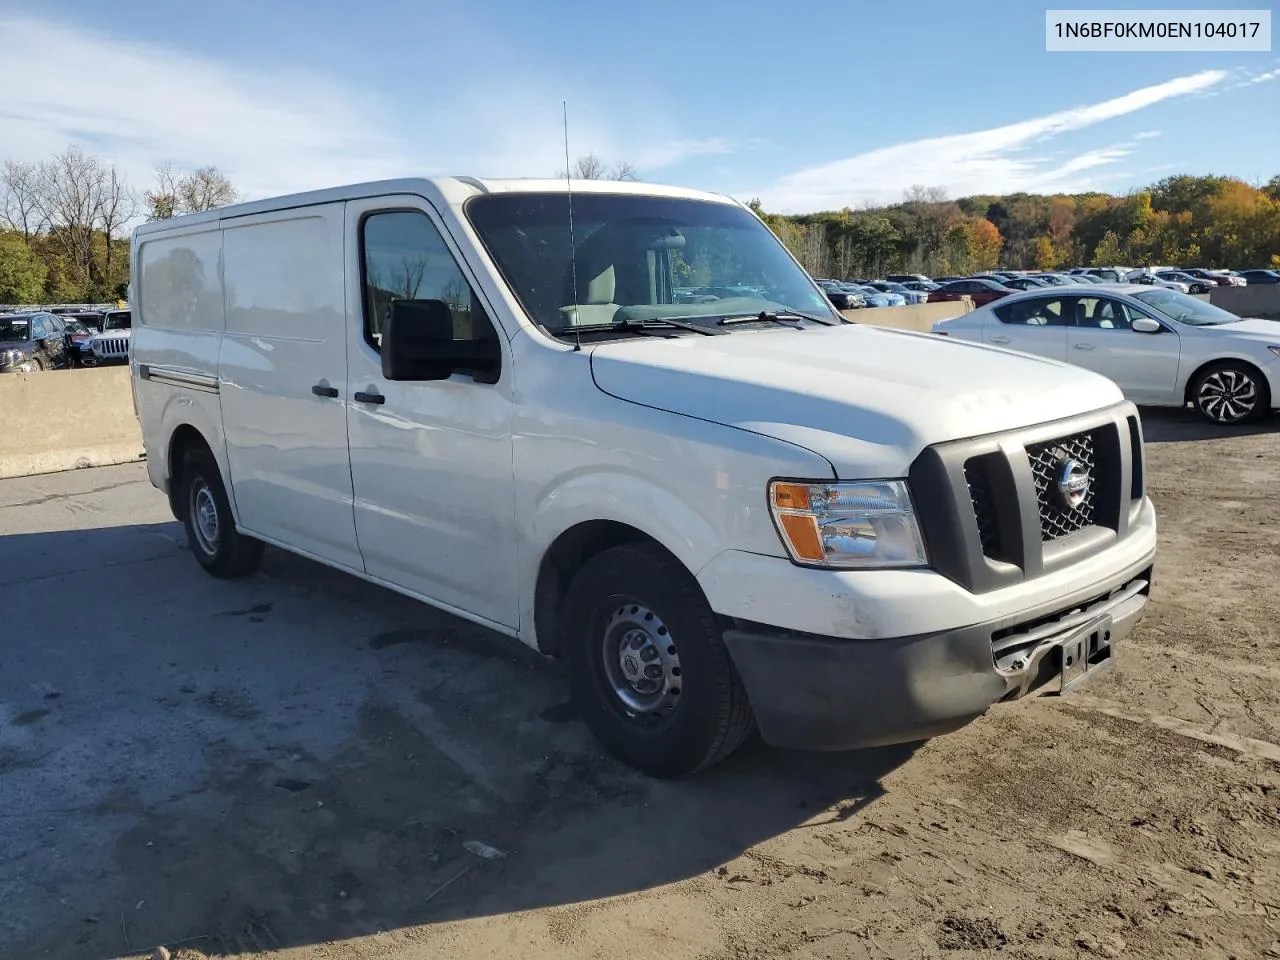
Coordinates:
(285, 334)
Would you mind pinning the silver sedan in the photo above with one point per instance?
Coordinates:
(1160, 346)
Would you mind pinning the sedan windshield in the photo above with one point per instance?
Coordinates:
(1178, 306)
(635, 257)
(14, 330)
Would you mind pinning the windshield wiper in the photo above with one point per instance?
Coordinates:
(643, 326)
(785, 317)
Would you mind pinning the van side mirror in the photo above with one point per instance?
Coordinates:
(1146, 325)
(418, 344)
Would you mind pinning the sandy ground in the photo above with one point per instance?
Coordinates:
(300, 765)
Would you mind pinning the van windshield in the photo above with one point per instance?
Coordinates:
(639, 258)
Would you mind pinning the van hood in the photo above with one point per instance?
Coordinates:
(868, 399)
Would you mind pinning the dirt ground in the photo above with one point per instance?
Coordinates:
(303, 766)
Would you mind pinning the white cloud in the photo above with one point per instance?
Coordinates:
(1264, 77)
(276, 130)
(271, 131)
(1147, 135)
(987, 161)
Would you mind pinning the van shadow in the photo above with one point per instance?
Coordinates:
(1171, 425)
(301, 757)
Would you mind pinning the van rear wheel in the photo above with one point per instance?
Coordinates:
(648, 665)
(211, 530)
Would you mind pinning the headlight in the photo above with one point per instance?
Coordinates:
(13, 356)
(1274, 349)
(863, 524)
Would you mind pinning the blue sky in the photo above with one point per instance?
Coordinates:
(808, 106)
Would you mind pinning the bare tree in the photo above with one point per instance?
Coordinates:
(814, 254)
(591, 167)
(19, 198)
(176, 194)
(70, 187)
(205, 189)
(117, 205)
(163, 200)
(409, 279)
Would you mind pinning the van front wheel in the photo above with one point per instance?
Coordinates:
(648, 665)
(211, 530)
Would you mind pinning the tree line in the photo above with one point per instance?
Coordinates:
(64, 226)
(1188, 221)
(64, 223)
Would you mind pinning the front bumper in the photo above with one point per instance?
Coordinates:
(823, 693)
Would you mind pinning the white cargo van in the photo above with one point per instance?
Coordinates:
(724, 511)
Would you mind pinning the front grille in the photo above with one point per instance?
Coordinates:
(1057, 519)
(992, 512)
(116, 347)
(984, 507)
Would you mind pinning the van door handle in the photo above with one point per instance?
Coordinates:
(1084, 346)
(999, 339)
(362, 397)
(320, 390)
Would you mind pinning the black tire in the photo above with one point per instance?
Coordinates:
(211, 530)
(701, 713)
(1230, 393)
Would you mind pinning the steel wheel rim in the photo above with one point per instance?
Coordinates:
(204, 517)
(641, 664)
(1228, 396)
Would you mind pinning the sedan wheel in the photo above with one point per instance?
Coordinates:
(1230, 394)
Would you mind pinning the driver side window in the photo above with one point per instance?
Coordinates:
(405, 258)
(1100, 313)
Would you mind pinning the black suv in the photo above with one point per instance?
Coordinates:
(30, 342)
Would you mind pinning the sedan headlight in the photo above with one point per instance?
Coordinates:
(847, 525)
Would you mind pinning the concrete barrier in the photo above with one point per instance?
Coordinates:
(66, 419)
(1256, 301)
(919, 317)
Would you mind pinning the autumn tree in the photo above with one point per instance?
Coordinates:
(22, 273)
(1107, 253)
(985, 244)
(1043, 256)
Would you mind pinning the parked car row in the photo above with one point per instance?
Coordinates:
(43, 340)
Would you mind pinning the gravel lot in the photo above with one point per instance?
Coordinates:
(301, 765)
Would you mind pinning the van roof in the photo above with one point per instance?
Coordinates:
(441, 191)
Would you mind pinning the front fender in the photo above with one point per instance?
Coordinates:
(610, 494)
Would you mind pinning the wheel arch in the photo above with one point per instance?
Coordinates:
(1228, 361)
(182, 440)
(562, 560)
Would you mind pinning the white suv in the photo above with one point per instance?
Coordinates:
(111, 344)
(735, 513)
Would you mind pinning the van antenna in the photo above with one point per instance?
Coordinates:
(573, 245)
